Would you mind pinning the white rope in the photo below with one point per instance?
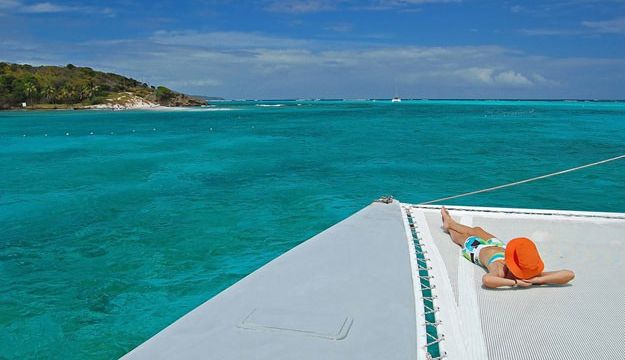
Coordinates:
(525, 181)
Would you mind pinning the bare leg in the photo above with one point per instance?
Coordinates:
(458, 232)
(450, 223)
(458, 237)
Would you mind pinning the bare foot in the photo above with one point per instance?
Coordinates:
(446, 219)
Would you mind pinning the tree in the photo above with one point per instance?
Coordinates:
(163, 94)
(6, 90)
(85, 92)
(30, 90)
(48, 93)
(69, 84)
(63, 95)
(72, 94)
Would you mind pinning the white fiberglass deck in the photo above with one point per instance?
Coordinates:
(358, 291)
(344, 294)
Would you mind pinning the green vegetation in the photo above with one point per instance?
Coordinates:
(164, 94)
(48, 86)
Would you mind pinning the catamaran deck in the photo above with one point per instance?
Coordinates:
(387, 283)
(581, 320)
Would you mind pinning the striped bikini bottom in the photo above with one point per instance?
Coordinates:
(474, 244)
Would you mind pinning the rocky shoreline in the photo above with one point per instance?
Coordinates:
(127, 101)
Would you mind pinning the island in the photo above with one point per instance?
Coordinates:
(72, 87)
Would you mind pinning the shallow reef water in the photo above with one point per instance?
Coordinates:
(115, 224)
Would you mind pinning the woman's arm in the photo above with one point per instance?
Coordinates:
(492, 281)
(553, 277)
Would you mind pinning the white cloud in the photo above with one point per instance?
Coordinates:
(49, 8)
(230, 40)
(8, 4)
(539, 79)
(300, 6)
(483, 75)
(278, 71)
(516, 8)
(342, 27)
(512, 78)
(254, 65)
(311, 6)
(614, 26)
(285, 57)
(493, 77)
(202, 83)
(550, 32)
(417, 2)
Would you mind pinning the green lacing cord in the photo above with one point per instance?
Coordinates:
(426, 293)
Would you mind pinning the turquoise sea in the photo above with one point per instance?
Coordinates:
(115, 224)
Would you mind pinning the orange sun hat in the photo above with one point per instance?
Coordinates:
(523, 259)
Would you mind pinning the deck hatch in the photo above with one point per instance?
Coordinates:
(331, 326)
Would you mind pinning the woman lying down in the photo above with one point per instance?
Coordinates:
(516, 263)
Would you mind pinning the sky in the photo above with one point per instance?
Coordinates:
(270, 49)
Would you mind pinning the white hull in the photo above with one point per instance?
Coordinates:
(354, 292)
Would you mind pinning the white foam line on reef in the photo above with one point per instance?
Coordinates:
(196, 109)
(158, 108)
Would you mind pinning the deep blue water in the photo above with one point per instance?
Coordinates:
(115, 224)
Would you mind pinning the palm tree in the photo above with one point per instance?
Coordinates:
(85, 92)
(30, 90)
(48, 92)
(63, 94)
(72, 94)
(89, 91)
